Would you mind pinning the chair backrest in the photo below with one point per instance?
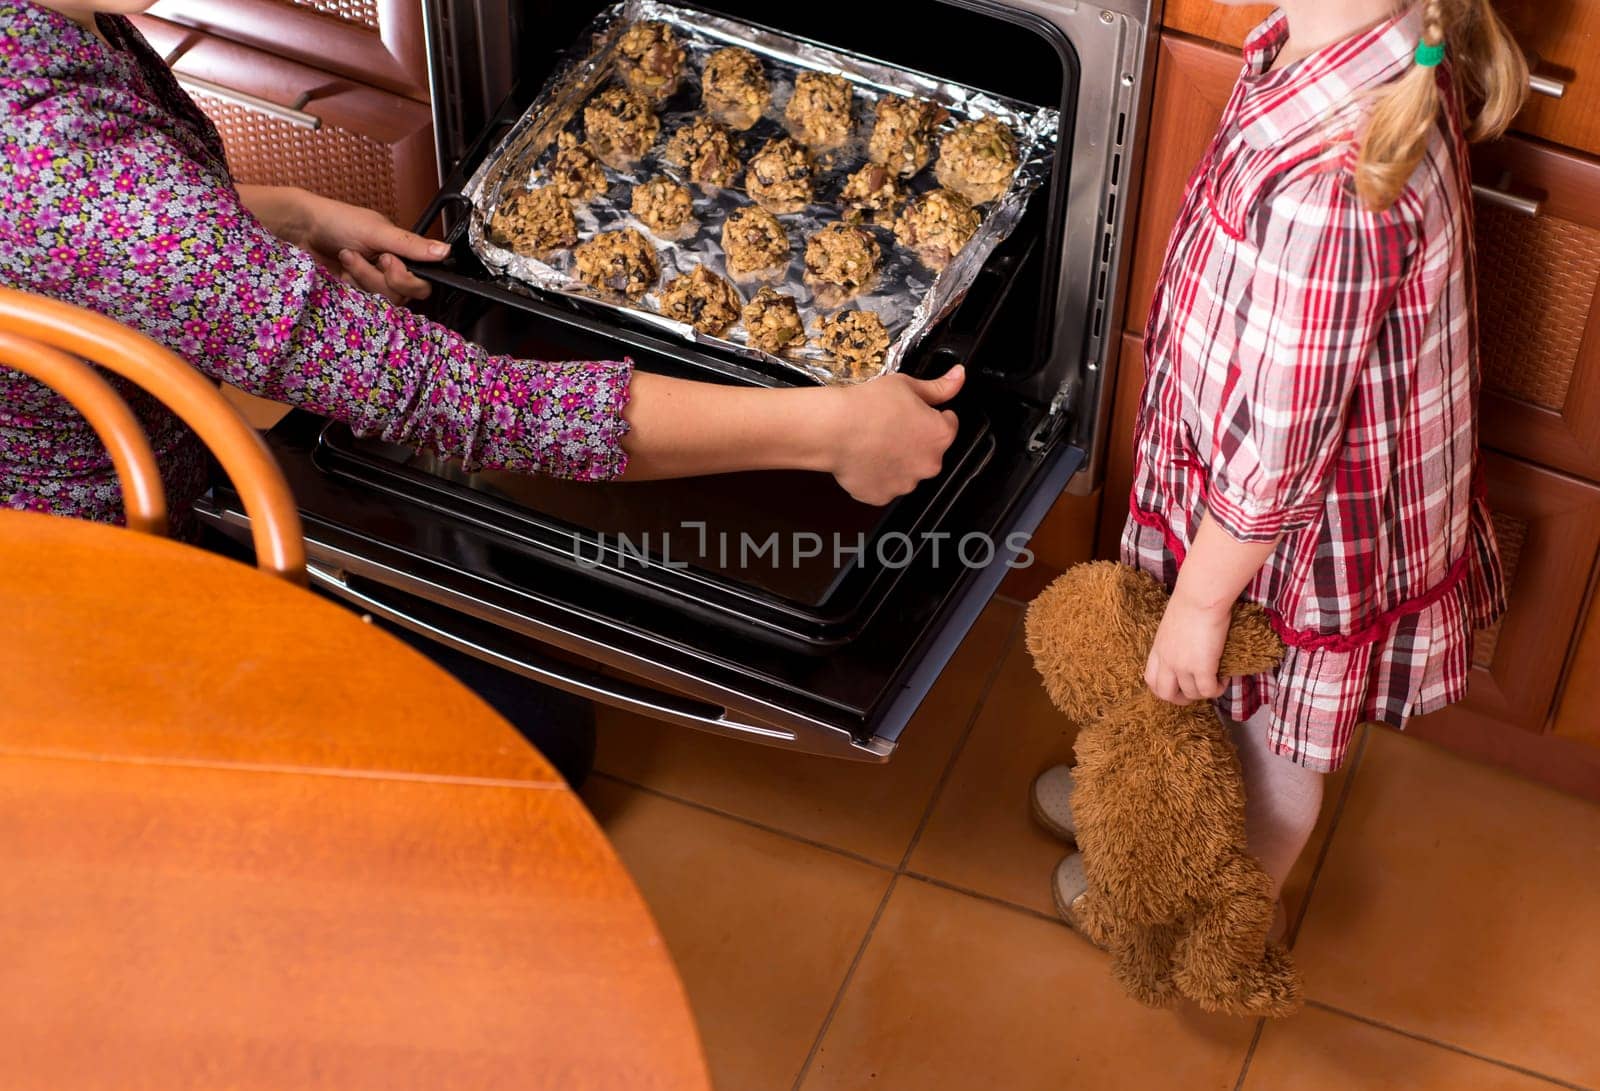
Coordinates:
(36, 337)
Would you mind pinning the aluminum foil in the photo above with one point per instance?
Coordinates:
(907, 296)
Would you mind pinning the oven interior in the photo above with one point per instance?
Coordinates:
(691, 543)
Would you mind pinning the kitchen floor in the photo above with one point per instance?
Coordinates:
(885, 927)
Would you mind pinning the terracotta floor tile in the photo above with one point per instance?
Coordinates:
(762, 928)
(955, 992)
(1320, 1051)
(982, 834)
(869, 809)
(1459, 902)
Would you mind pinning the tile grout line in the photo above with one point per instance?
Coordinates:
(1250, 1053)
(927, 813)
(844, 985)
(1027, 910)
(1453, 1048)
(961, 743)
(1327, 842)
(849, 854)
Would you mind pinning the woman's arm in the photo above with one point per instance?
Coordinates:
(1188, 645)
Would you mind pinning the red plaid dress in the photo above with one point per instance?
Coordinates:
(1311, 372)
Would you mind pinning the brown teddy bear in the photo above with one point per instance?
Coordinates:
(1157, 801)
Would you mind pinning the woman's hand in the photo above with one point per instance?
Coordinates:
(361, 245)
(888, 435)
(1188, 647)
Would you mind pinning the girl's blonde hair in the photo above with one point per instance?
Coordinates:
(1485, 63)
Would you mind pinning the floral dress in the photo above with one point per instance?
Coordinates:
(114, 195)
(1312, 378)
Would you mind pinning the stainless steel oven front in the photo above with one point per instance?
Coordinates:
(819, 649)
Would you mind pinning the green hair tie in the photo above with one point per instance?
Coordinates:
(1430, 56)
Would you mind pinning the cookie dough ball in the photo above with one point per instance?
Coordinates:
(902, 135)
(819, 109)
(650, 60)
(870, 195)
(734, 87)
(620, 124)
(855, 341)
(534, 222)
(619, 261)
(772, 322)
(754, 240)
(704, 150)
(841, 256)
(779, 177)
(936, 226)
(575, 172)
(977, 159)
(702, 299)
(665, 207)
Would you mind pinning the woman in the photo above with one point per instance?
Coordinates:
(114, 195)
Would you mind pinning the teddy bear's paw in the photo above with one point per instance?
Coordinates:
(1151, 990)
(1271, 987)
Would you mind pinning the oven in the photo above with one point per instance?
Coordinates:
(764, 606)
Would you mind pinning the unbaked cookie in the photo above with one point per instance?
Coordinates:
(871, 194)
(702, 299)
(754, 241)
(665, 207)
(772, 322)
(620, 124)
(936, 226)
(650, 59)
(534, 222)
(734, 87)
(855, 341)
(704, 150)
(977, 159)
(902, 135)
(841, 256)
(779, 177)
(575, 172)
(620, 261)
(819, 109)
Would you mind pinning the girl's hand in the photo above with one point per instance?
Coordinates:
(1183, 660)
(886, 435)
(360, 245)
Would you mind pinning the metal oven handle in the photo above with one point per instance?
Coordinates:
(553, 672)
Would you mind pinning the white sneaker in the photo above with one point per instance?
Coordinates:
(1052, 801)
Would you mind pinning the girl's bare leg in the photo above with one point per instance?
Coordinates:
(1282, 800)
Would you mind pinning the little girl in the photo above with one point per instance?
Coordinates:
(1307, 434)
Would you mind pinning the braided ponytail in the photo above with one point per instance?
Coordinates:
(1485, 62)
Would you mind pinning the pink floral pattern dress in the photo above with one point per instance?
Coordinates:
(114, 195)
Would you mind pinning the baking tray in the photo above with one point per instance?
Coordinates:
(908, 296)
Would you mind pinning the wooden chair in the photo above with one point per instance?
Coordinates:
(41, 337)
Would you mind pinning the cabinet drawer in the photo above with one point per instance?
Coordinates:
(373, 148)
(1560, 42)
(1538, 290)
(377, 42)
(1549, 530)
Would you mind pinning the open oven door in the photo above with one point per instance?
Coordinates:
(827, 656)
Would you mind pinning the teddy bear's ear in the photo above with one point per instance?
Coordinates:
(1252, 647)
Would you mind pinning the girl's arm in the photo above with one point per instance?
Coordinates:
(1188, 645)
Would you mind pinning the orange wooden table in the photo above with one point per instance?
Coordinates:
(247, 841)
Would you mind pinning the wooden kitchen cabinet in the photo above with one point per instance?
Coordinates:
(1538, 290)
(374, 148)
(382, 43)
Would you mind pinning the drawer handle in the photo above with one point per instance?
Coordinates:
(1547, 85)
(251, 102)
(1527, 206)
